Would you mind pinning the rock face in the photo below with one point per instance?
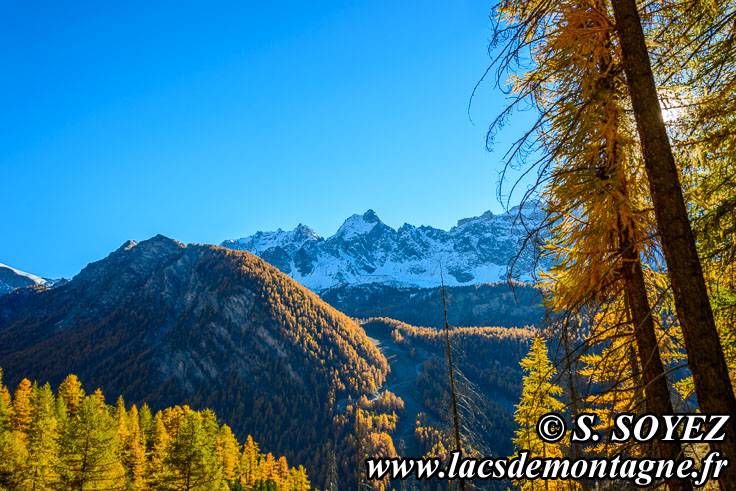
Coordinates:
(367, 251)
(168, 324)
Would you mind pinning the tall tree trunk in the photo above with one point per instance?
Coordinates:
(453, 398)
(358, 452)
(657, 395)
(649, 374)
(705, 355)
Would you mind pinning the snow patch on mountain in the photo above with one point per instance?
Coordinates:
(263, 241)
(11, 278)
(364, 250)
(358, 225)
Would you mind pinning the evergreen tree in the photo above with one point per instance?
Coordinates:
(249, 463)
(157, 470)
(60, 411)
(121, 420)
(14, 458)
(5, 403)
(331, 484)
(538, 398)
(4, 393)
(134, 450)
(145, 422)
(72, 392)
(89, 448)
(228, 449)
(297, 480)
(21, 409)
(14, 454)
(42, 465)
(192, 455)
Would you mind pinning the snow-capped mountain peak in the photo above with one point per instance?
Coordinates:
(11, 278)
(263, 241)
(358, 225)
(306, 232)
(31, 277)
(365, 250)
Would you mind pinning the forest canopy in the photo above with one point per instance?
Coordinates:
(72, 440)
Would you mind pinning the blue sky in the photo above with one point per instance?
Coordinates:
(211, 120)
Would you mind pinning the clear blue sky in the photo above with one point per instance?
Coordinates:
(212, 120)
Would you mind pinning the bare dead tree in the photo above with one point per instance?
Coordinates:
(453, 396)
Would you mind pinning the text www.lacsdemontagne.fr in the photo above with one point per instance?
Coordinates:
(640, 471)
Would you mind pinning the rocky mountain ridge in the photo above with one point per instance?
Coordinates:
(364, 250)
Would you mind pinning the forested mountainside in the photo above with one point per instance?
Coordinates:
(71, 440)
(489, 382)
(167, 324)
(365, 250)
(497, 304)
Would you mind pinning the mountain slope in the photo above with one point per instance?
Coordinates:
(490, 304)
(164, 323)
(11, 278)
(488, 380)
(365, 250)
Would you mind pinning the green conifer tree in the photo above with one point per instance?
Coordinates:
(192, 455)
(89, 448)
(145, 422)
(20, 414)
(72, 392)
(14, 453)
(134, 450)
(249, 463)
(228, 450)
(42, 465)
(538, 398)
(297, 480)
